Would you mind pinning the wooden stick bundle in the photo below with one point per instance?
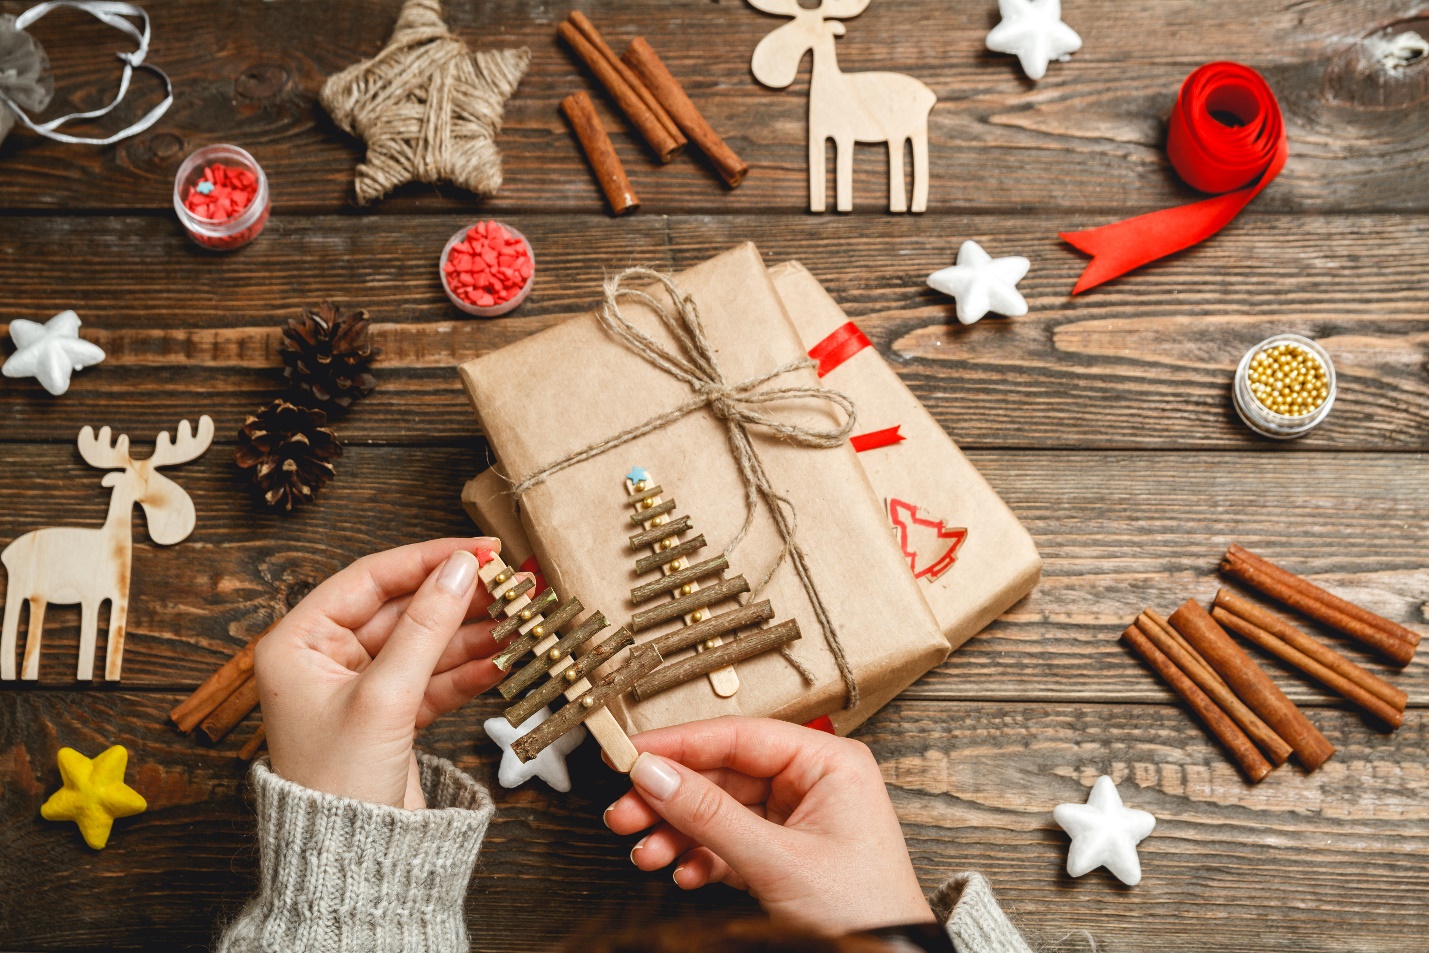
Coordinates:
(1235, 741)
(1349, 689)
(604, 163)
(608, 72)
(1390, 639)
(1251, 683)
(646, 63)
(1179, 653)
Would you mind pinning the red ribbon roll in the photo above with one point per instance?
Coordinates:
(1210, 156)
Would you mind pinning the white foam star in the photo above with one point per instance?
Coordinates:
(1104, 833)
(549, 765)
(982, 284)
(50, 352)
(1034, 31)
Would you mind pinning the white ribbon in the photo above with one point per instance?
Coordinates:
(112, 13)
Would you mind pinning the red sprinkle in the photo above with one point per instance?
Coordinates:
(489, 267)
(232, 191)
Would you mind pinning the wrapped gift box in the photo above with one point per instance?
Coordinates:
(970, 555)
(551, 395)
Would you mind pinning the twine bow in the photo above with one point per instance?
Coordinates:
(738, 405)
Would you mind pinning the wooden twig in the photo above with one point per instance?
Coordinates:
(646, 515)
(562, 679)
(709, 595)
(510, 625)
(672, 582)
(549, 625)
(738, 618)
(745, 647)
(643, 659)
(542, 663)
(659, 533)
(660, 558)
(509, 594)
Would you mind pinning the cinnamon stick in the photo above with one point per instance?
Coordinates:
(1253, 686)
(1390, 639)
(629, 102)
(234, 709)
(1377, 707)
(1170, 644)
(251, 746)
(1159, 621)
(604, 163)
(587, 29)
(217, 687)
(643, 59)
(1326, 656)
(1231, 737)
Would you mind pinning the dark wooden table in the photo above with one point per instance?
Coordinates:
(1105, 421)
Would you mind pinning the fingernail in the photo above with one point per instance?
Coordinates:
(635, 848)
(605, 818)
(458, 572)
(676, 877)
(653, 776)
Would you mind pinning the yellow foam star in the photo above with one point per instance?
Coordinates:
(94, 793)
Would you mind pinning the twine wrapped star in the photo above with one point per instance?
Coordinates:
(428, 108)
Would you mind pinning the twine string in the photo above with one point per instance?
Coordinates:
(738, 405)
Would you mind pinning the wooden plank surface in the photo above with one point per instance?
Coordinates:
(1104, 421)
(1087, 135)
(1145, 362)
(974, 783)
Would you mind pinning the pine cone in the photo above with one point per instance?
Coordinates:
(328, 356)
(287, 451)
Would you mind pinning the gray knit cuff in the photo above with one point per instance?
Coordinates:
(967, 909)
(341, 875)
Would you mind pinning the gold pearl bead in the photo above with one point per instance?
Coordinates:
(687, 588)
(699, 615)
(538, 630)
(676, 565)
(555, 655)
(641, 486)
(710, 644)
(511, 594)
(572, 674)
(525, 615)
(660, 521)
(648, 504)
(587, 701)
(667, 543)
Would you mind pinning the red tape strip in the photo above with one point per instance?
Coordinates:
(534, 568)
(1209, 155)
(838, 347)
(886, 437)
(821, 723)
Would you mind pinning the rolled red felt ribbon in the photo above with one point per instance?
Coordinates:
(1237, 160)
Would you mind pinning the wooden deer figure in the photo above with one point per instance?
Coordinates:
(66, 565)
(847, 107)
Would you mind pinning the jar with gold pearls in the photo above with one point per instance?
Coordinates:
(1284, 386)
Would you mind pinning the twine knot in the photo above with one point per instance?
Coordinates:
(738, 406)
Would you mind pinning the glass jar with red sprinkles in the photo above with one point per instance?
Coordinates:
(221, 197)
(487, 269)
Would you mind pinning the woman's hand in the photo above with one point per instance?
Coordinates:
(373, 654)
(799, 818)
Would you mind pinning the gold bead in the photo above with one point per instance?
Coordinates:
(648, 504)
(511, 594)
(525, 615)
(572, 674)
(687, 588)
(710, 644)
(555, 655)
(502, 576)
(587, 701)
(676, 565)
(667, 543)
(699, 615)
(538, 631)
(640, 487)
(660, 521)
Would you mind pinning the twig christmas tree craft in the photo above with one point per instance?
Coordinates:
(65, 565)
(534, 626)
(680, 579)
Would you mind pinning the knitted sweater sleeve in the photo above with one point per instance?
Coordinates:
(342, 876)
(969, 912)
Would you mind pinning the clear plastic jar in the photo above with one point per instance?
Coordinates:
(500, 308)
(231, 233)
(1265, 421)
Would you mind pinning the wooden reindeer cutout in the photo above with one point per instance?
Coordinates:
(847, 107)
(66, 565)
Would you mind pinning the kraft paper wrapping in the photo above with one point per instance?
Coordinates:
(997, 563)
(558, 391)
